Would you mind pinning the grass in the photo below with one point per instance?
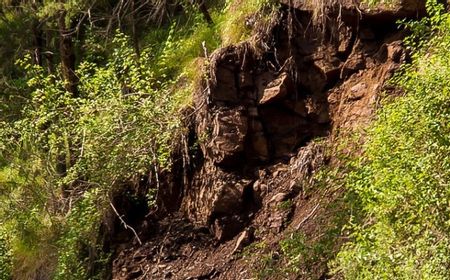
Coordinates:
(399, 184)
(106, 137)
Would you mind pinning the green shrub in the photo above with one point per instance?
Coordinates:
(62, 157)
(240, 17)
(67, 155)
(5, 256)
(77, 243)
(402, 180)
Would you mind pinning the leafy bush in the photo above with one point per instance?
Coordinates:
(62, 157)
(402, 180)
(84, 220)
(5, 257)
(241, 16)
(68, 154)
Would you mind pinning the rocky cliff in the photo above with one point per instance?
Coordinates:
(264, 120)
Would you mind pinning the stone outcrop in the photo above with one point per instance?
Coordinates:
(264, 102)
(256, 120)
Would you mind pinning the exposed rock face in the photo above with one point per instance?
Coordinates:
(263, 103)
(228, 135)
(255, 122)
(277, 89)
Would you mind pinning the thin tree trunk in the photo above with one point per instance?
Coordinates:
(67, 53)
(48, 55)
(133, 29)
(204, 10)
(38, 34)
(38, 43)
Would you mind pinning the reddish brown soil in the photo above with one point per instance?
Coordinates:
(268, 132)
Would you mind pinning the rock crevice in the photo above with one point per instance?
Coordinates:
(255, 113)
(257, 122)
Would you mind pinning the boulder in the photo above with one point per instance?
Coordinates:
(228, 135)
(277, 89)
(215, 194)
(262, 81)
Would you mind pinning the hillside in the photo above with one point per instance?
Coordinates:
(224, 140)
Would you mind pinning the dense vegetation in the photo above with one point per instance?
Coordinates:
(395, 214)
(91, 105)
(400, 186)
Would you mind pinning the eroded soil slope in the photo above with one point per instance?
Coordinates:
(263, 123)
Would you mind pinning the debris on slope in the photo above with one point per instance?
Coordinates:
(256, 121)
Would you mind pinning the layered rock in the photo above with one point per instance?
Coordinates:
(264, 102)
(256, 122)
